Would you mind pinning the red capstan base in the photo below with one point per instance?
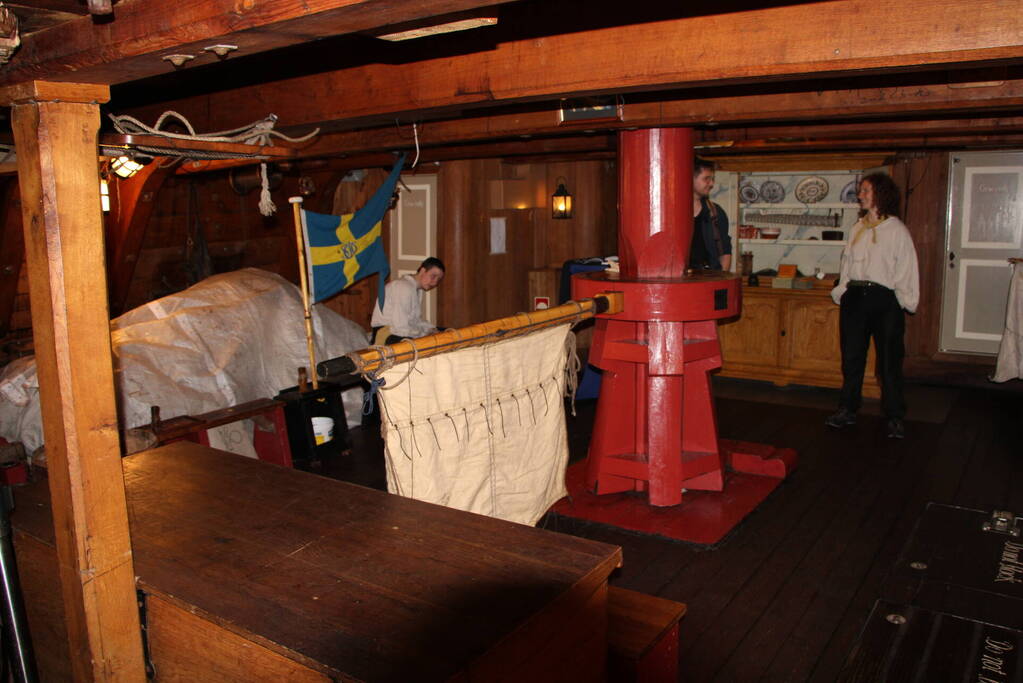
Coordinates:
(704, 517)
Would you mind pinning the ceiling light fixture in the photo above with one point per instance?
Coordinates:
(438, 29)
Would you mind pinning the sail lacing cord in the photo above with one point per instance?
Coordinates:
(376, 382)
(259, 133)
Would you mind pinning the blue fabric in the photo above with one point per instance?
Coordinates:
(341, 250)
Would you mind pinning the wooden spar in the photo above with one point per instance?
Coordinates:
(371, 359)
(296, 205)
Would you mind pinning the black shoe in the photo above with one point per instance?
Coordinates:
(896, 430)
(843, 418)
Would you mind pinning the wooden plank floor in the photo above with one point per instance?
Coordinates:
(784, 596)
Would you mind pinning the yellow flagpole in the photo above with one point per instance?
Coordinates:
(370, 359)
(296, 205)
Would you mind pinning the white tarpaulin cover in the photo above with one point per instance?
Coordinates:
(1010, 353)
(483, 428)
(232, 338)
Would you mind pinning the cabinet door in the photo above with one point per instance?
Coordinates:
(754, 337)
(810, 330)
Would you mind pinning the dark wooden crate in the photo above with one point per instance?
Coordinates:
(952, 565)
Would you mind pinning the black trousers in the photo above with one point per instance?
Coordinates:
(865, 313)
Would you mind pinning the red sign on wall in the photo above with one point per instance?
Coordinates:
(541, 302)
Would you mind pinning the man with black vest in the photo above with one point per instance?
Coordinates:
(711, 247)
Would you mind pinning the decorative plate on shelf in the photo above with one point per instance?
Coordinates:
(811, 190)
(772, 192)
(849, 193)
(748, 193)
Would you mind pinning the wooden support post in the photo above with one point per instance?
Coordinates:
(55, 131)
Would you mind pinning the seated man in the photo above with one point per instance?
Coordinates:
(403, 302)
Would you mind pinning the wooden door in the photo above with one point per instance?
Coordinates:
(754, 337)
(985, 227)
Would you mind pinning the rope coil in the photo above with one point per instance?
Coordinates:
(259, 133)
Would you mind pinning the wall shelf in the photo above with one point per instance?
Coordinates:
(806, 243)
(799, 205)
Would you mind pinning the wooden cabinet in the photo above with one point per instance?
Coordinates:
(788, 336)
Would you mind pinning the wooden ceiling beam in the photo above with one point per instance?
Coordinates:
(510, 150)
(142, 32)
(814, 110)
(964, 127)
(758, 45)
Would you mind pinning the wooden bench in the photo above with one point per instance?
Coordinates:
(269, 437)
(642, 637)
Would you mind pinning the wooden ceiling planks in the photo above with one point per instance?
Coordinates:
(781, 43)
(133, 44)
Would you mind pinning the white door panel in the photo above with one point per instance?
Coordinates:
(985, 227)
(414, 232)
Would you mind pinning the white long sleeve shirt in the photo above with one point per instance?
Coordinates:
(403, 309)
(884, 254)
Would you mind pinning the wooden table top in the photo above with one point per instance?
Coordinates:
(344, 579)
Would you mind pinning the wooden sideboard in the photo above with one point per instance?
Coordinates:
(788, 336)
(253, 572)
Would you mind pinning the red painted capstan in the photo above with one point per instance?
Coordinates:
(655, 429)
(655, 190)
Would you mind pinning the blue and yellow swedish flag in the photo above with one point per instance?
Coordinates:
(341, 250)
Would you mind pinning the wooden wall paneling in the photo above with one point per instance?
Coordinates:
(924, 184)
(12, 252)
(44, 610)
(56, 141)
(561, 232)
(507, 288)
(132, 201)
(593, 229)
(459, 216)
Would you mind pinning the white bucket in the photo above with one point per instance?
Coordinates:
(323, 429)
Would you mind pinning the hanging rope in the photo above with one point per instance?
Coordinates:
(415, 134)
(259, 133)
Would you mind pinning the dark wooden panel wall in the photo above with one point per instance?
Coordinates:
(483, 286)
(480, 285)
(924, 184)
(237, 235)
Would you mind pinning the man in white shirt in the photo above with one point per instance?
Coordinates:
(879, 282)
(403, 303)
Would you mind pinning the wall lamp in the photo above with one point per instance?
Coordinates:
(125, 166)
(561, 201)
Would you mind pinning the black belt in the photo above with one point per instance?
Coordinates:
(865, 283)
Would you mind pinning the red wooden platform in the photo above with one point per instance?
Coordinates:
(703, 517)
